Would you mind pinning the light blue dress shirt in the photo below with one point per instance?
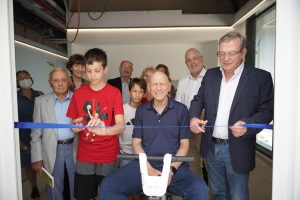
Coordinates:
(61, 108)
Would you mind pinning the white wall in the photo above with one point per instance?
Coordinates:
(286, 148)
(10, 173)
(149, 47)
(145, 55)
(38, 64)
(209, 52)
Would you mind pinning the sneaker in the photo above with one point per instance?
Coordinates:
(35, 193)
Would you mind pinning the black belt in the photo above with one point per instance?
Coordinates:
(67, 141)
(219, 140)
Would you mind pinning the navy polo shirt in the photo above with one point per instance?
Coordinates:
(167, 128)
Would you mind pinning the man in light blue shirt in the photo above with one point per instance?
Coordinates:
(61, 106)
(53, 148)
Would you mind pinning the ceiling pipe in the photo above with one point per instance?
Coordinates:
(57, 7)
(46, 7)
(46, 12)
(58, 41)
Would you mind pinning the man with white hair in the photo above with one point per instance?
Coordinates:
(232, 95)
(122, 82)
(187, 88)
(172, 137)
(52, 148)
(189, 85)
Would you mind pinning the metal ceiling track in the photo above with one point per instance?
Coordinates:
(47, 10)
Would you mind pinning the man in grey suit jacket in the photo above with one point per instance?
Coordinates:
(53, 148)
(231, 96)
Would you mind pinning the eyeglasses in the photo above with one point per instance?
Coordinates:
(195, 59)
(230, 54)
(57, 81)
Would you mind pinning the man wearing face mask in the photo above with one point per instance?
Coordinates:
(26, 96)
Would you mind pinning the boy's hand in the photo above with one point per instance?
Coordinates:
(77, 121)
(96, 121)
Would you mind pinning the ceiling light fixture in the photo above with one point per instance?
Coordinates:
(39, 49)
(255, 9)
(148, 29)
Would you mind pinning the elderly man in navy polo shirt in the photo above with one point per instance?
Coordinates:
(169, 134)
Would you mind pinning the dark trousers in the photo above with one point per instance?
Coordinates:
(127, 181)
(66, 193)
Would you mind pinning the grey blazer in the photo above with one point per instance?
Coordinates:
(44, 141)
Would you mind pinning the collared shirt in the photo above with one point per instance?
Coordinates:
(162, 132)
(227, 92)
(188, 87)
(125, 138)
(61, 107)
(125, 96)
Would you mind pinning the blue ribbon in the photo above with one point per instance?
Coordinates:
(260, 126)
(29, 125)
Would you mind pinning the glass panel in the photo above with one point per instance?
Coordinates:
(265, 59)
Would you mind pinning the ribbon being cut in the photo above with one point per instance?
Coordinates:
(54, 125)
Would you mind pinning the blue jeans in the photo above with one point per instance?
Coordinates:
(224, 183)
(64, 155)
(127, 181)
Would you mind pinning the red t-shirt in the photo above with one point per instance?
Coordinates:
(107, 102)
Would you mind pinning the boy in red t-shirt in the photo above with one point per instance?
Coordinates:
(96, 104)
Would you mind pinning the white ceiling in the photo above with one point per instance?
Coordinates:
(146, 35)
(188, 28)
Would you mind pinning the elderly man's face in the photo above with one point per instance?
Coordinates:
(60, 83)
(159, 86)
(194, 62)
(231, 55)
(126, 69)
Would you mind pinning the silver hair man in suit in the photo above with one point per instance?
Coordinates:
(232, 95)
(122, 82)
(52, 148)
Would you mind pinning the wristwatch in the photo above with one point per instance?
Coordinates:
(173, 169)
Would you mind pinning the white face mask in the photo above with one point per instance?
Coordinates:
(25, 83)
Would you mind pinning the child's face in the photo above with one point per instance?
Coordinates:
(96, 73)
(136, 94)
